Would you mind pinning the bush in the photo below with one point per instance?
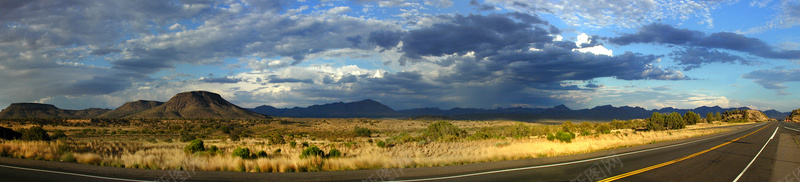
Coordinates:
(381, 143)
(564, 136)
(567, 126)
(293, 144)
(312, 151)
(656, 122)
(362, 132)
(333, 153)
(35, 133)
(305, 144)
(195, 146)
(551, 136)
(243, 153)
(443, 131)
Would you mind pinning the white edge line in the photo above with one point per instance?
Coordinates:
(756, 157)
(67, 173)
(567, 163)
(791, 129)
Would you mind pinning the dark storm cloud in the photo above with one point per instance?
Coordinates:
(385, 39)
(667, 35)
(221, 80)
(276, 79)
(773, 78)
(481, 7)
(484, 35)
(694, 57)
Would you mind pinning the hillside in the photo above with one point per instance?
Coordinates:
(197, 104)
(794, 116)
(46, 111)
(131, 108)
(748, 115)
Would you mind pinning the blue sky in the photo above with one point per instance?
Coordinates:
(406, 54)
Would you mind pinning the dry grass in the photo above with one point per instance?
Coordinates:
(359, 154)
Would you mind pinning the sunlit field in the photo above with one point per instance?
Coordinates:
(344, 144)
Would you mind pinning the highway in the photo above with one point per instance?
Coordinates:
(768, 151)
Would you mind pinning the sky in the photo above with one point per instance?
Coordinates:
(80, 54)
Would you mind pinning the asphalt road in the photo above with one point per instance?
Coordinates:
(711, 158)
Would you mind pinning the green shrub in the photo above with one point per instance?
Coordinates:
(35, 133)
(67, 157)
(293, 144)
(443, 131)
(362, 132)
(567, 126)
(564, 136)
(551, 136)
(381, 143)
(243, 153)
(333, 153)
(312, 151)
(195, 146)
(277, 151)
(305, 144)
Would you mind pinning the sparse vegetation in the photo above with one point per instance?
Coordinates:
(148, 144)
(34, 133)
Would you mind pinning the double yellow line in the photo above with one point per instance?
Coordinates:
(613, 178)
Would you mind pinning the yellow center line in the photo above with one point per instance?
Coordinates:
(613, 178)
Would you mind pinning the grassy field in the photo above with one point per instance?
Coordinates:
(276, 145)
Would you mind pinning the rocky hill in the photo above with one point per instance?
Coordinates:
(46, 111)
(131, 108)
(794, 116)
(747, 115)
(197, 104)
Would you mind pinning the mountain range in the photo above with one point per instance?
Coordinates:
(194, 104)
(202, 104)
(373, 109)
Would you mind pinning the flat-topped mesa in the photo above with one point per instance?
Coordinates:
(197, 104)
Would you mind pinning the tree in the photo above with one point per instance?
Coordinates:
(35, 133)
(691, 118)
(675, 121)
(567, 126)
(717, 117)
(709, 117)
(656, 122)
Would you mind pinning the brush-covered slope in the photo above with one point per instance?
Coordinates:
(197, 104)
(131, 108)
(46, 111)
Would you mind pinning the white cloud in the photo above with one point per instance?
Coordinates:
(598, 49)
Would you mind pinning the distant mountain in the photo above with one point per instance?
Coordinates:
(131, 108)
(776, 114)
(46, 111)
(197, 104)
(365, 108)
